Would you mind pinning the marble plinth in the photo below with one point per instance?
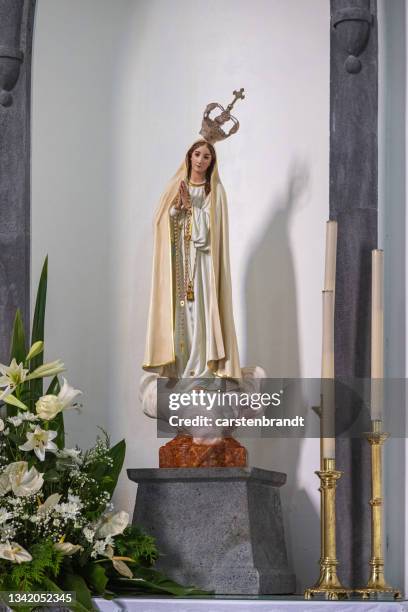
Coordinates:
(183, 452)
(218, 529)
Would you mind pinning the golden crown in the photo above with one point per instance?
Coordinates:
(211, 129)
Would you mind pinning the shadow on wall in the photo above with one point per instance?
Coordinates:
(271, 310)
(272, 339)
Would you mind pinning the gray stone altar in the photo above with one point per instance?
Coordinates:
(218, 529)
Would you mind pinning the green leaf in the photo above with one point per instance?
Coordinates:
(15, 438)
(150, 580)
(38, 326)
(110, 465)
(13, 401)
(57, 424)
(73, 582)
(52, 476)
(18, 347)
(54, 387)
(3, 598)
(52, 587)
(39, 312)
(96, 577)
(117, 453)
(98, 472)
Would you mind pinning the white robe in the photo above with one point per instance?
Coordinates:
(191, 344)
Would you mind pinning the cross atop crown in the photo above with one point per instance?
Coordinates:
(238, 95)
(211, 128)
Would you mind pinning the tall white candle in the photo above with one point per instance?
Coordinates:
(377, 333)
(328, 444)
(330, 256)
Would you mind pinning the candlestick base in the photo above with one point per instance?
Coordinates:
(376, 583)
(371, 593)
(328, 584)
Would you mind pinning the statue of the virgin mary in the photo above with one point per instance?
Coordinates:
(191, 331)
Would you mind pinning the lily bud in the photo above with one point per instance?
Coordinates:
(35, 350)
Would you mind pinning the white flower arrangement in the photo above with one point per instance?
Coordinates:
(38, 468)
(48, 485)
(56, 517)
(45, 485)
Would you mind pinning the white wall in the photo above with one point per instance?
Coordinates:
(392, 238)
(119, 89)
(75, 64)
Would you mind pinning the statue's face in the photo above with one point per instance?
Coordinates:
(201, 159)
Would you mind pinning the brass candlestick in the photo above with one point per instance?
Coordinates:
(376, 583)
(328, 583)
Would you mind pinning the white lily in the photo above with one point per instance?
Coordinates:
(39, 441)
(48, 406)
(118, 562)
(112, 524)
(13, 375)
(14, 552)
(50, 502)
(47, 369)
(68, 394)
(66, 548)
(18, 478)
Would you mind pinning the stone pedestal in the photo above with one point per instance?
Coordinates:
(218, 529)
